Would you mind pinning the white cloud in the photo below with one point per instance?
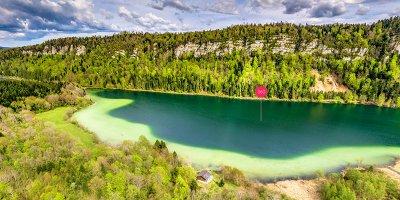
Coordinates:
(31, 19)
(294, 6)
(126, 14)
(150, 21)
(263, 3)
(395, 12)
(224, 7)
(178, 4)
(328, 9)
(106, 14)
(362, 9)
(38, 17)
(5, 35)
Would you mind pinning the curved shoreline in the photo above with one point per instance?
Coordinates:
(207, 94)
(118, 130)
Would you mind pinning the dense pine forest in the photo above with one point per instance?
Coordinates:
(289, 59)
(14, 89)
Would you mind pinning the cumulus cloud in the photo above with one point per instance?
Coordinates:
(294, 6)
(224, 7)
(106, 14)
(40, 16)
(149, 21)
(362, 10)
(126, 14)
(316, 8)
(263, 3)
(328, 9)
(16, 35)
(178, 4)
(395, 12)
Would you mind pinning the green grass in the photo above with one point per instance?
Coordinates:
(57, 116)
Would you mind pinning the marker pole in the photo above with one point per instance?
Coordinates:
(260, 110)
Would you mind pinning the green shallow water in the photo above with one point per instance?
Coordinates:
(294, 139)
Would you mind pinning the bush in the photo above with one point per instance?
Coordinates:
(36, 104)
(360, 184)
(337, 191)
(70, 95)
(233, 175)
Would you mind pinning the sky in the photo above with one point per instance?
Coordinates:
(26, 22)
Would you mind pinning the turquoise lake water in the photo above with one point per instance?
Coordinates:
(293, 139)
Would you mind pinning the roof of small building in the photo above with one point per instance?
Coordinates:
(205, 174)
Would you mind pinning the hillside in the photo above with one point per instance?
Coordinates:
(359, 61)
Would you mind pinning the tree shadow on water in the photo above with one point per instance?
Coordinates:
(287, 130)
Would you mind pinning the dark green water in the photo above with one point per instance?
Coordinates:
(288, 130)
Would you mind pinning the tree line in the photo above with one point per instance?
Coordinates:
(14, 90)
(148, 61)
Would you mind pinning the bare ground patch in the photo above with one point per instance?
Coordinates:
(298, 189)
(329, 83)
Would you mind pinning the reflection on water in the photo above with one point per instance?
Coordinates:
(294, 139)
(287, 130)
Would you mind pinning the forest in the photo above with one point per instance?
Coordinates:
(39, 161)
(13, 90)
(229, 61)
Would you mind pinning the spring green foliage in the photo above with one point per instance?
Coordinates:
(39, 162)
(59, 117)
(39, 97)
(233, 175)
(151, 62)
(15, 89)
(360, 184)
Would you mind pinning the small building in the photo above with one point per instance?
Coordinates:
(204, 176)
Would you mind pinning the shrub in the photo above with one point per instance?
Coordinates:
(233, 175)
(360, 184)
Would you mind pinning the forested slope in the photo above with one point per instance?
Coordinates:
(285, 57)
(37, 161)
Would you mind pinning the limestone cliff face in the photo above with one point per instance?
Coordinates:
(340, 41)
(52, 50)
(278, 45)
(395, 44)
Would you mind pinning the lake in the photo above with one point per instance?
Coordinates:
(293, 140)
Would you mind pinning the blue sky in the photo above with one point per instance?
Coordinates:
(25, 22)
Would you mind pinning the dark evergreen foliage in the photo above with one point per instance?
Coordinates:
(13, 90)
(150, 61)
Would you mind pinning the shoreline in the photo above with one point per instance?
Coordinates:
(207, 94)
(273, 181)
(308, 189)
(286, 180)
(316, 175)
(312, 175)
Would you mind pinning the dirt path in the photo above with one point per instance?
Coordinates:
(392, 171)
(298, 189)
(308, 189)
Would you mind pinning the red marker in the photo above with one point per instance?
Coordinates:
(261, 92)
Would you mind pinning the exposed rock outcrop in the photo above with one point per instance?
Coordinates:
(329, 83)
(52, 50)
(279, 45)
